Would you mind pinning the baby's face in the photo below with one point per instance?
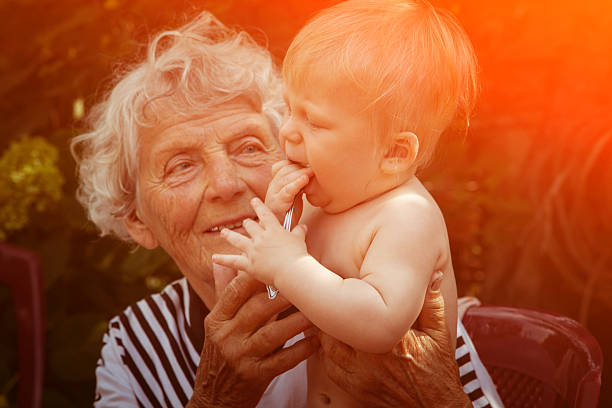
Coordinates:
(327, 129)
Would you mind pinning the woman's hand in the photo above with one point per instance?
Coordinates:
(268, 250)
(243, 343)
(420, 371)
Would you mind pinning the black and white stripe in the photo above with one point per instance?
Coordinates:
(159, 349)
(468, 377)
(476, 382)
(151, 352)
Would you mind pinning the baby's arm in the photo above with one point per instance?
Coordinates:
(371, 313)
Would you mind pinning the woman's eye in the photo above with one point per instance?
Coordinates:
(251, 148)
(180, 167)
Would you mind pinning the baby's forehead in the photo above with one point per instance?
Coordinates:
(329, 76)
(328, 90)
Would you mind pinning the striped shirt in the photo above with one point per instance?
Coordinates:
(151, 352)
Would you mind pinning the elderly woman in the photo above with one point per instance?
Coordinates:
(175, 152)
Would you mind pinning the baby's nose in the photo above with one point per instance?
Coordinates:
(289, 133)
(295, 152)
(292, 143)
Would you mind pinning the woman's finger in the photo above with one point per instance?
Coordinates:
(339, 353)
(234, 296)
(338, 359)
(258, 311)
(266, 217)
(222, 276)
(287, 358)
(432, 320)
(274, 334)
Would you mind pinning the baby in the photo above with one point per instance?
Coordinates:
(370, 85)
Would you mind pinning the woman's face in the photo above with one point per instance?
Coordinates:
(196, 176)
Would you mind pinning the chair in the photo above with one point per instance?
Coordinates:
(20, 270)
(536, 359)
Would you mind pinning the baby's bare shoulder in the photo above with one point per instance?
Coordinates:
(411, 204)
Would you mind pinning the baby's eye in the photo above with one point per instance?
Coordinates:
(314, 124)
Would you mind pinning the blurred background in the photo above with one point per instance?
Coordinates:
(527, 194)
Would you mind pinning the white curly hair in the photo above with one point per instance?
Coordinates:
(193, 68)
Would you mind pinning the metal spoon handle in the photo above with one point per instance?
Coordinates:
(272, 291)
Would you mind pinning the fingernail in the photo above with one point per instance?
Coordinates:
(436, 281)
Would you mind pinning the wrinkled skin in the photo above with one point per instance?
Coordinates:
(241, 352)
(197, 173)
(420, 371)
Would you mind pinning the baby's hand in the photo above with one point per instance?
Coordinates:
(270, 249)
(288, 179)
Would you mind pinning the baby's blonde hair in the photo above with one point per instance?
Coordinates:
(413, 63)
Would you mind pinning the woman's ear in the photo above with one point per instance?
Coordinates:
(401, 154)
(139, 231)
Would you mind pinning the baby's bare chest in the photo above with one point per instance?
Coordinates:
(339, 242)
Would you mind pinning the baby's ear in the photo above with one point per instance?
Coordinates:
(401, 154)
(139, 231)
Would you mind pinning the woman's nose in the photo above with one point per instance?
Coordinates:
(224, 183)
(292, 142)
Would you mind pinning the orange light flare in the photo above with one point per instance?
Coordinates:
(546, 72)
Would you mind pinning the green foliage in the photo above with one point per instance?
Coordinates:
(29, 180)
